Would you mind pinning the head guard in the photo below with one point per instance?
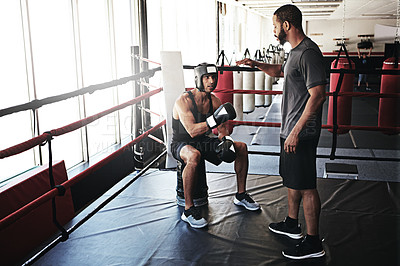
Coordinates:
(201, 70)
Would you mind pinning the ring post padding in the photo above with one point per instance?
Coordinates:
(174, 86)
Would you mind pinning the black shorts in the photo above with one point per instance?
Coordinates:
(299, 170)
(206, 146)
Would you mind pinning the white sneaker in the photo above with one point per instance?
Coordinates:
(193, 217)
(246, 202)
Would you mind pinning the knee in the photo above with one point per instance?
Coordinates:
(310, 193)
(241, 149)
(194, 158)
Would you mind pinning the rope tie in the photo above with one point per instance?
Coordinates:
(61, 189)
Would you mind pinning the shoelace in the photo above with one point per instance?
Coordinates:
(195, 213)
(248, 198)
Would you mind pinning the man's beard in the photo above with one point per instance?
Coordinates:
(282, 36)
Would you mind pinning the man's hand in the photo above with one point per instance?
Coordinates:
(226, 150)
(248, 62)
(224, 113)
(291, 143)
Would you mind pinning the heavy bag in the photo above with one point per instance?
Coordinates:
(389, 107)
(225, 82)
(344, 103)
(248, 84)
(259, 85)
(364, 45)
(238, 97)
(268, 87)
(282, 56)
(200, 193)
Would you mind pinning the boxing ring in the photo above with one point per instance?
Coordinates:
(137, 221)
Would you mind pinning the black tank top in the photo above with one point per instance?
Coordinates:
(179, 132)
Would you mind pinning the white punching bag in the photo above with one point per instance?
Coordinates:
(282, 55)
(248, 84)
(273, 61)
(238, 97)
(268, 87)
(259, 85)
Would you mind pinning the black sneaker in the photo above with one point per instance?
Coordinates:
(304, 250)
(246, 201)
(283, 229)
(193, 217)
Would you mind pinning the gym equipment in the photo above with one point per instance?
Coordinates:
(226, 150)
(248, 99)
(224, 113)
(389, 107)
(201, 70)
(259, 85)
(365, 42)
(344, 103)
(238, 97)
(200, 193)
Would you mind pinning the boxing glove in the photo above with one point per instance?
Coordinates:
(224, 113)
(226, 150)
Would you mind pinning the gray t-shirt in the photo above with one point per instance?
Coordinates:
(303, 70)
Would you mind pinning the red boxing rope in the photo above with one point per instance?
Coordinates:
(11, 218)
(274, 124)
(356, 94)
(57, 132)
(24, 146)
(263, 92)
(84, 122)
(148, 60)
(251, 123)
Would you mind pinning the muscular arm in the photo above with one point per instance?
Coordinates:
(273, 70)
(182, 112)
(313, 105)
(370, 50)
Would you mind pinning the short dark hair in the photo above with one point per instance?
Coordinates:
(291, 14)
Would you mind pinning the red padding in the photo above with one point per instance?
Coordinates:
(388, 115)
(45, 197)
(23, 235)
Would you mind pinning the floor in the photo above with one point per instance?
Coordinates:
(359, 223)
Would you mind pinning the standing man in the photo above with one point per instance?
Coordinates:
(303, 96)
(195, 113)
